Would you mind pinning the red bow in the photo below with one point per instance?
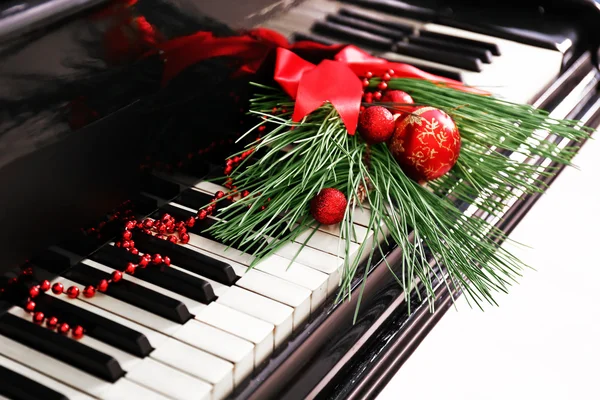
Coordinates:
(336, 81)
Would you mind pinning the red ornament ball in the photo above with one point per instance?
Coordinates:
(426, 143)
(328, 206)
(397, 96)
(376, 124)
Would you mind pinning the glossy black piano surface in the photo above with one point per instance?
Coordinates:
(85, 124)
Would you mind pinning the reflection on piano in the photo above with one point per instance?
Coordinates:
(88, 133)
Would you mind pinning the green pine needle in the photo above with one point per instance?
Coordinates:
(297, 160)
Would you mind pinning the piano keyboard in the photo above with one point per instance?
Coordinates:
(515, 71)
(200, 327)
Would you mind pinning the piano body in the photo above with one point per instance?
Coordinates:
(87, 133)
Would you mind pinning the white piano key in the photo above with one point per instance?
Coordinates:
(127, 311)
(193, 306)
(169, 382)
(67, 391)
(299, 274)
(266, 285)
(207, 367)
(262, 308)
(244, 326)
(126, 389)
(222, 344)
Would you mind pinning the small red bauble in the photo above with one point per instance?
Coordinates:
(397, 96)
(117, 276)
(157, 259)
(34, 291)
(376, 124)
(167, 260)
(57, 288)
(64, 328)
(130, 269)
(30, 306)
(426, 143)
(329, 206)
(38, 317)
(73, 292)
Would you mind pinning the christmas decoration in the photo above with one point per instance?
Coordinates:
(328, 206)
(426, 143)
(304, 145)
(376, 124)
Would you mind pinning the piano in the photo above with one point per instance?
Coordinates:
(88, 137)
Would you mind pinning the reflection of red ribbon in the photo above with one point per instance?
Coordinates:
(336, 81)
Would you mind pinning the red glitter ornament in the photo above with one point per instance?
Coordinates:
(426, 143)
(328, 207)
(376, 124)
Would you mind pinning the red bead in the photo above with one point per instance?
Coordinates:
(185, 238)
(245, 193)
(45, 285)
(148, 223)
(157, 259)
(376, 124)
(202, 214)
(162, 229)
(166, 260)
(173, 239)
(57, 288)
(386, 77)
(210, 209)
(237, 159)
(377, 96)
(391, 72)
(117, 276)
(191, 221)
(130, 269)
(126, 235)
(369, 75)
(426, 143)
(102, 285)
(52, 322)
(165, 217)
(228, 170)
(130, 225)
(89, 291)
(134, 251)
(73, 292)
(365, 82)
(382, 85)
(30, 306)
(34, 291)
(329, 206)
(77, 332)
(148, 257)
(220, 194)
(38, 317)
(126, 244)
(64, 328)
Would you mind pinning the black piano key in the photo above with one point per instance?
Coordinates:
(96, 326)
(129, 292)
(143, 205)
(449, 45)
(439, 56)
(377, 20)
(159, 187)
(366, 26)
(396, 8)
(52, 261)
(355, 36)
(196, 199)
(300, 36)
(18, 387)
(61, 347)
(492, 47)
(160, 275)
(187, 258)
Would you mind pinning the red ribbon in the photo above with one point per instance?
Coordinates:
(336, 81)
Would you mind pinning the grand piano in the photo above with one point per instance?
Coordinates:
(89, 135)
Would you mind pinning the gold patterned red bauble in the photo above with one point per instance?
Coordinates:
(376, 124)
(328, 206)
(426, 143)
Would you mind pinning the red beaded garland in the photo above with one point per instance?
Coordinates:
(426, 143)
(117, 276)
(45, 285)
(52, 322)
(328, 206)
(77, 332)
(376, 124)
(34, 291)
(397, 96)
(57, 288)
(102, 285)
(38, 317)
(64, 328)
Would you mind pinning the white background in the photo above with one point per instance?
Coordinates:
(543, 342)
